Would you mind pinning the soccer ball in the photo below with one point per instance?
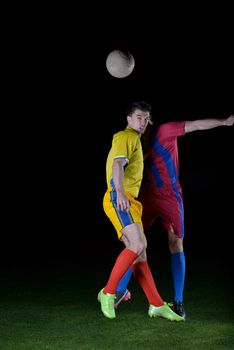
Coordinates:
(120, 64)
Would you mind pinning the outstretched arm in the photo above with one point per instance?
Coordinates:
(208, 124)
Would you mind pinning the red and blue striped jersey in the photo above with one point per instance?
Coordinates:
(162, 163)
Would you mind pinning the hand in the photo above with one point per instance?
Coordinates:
(229, 121)
(123, 203)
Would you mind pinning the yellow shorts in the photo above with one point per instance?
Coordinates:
(120, 218)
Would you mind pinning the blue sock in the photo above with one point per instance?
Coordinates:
(122, 286)
(178, 272)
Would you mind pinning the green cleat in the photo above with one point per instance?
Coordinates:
(107, 304)
(164, 311)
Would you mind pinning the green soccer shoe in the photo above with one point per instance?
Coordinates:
(107, 303)
(164, 311)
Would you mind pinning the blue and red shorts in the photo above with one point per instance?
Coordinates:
(166, 204)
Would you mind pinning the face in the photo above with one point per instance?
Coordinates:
(138, 121)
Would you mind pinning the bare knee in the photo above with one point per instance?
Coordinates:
(175, 243)
(135, 238)
(141, 257)
(138, 247)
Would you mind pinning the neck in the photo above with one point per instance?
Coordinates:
(129, 127)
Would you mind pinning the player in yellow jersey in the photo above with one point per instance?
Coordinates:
(124, 170)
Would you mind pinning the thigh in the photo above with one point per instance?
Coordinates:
(119, 218)
(171, 210)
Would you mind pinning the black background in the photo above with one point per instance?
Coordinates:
(68, 109)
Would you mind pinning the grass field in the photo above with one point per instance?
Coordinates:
(56, 309)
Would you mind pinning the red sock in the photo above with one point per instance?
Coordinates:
(122, 264)
(144, 277)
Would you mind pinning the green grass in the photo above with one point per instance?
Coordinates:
(59, 311)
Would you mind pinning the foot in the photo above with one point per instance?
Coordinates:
(178, 307)
(164, 311)
(122, 296)
(107, 304)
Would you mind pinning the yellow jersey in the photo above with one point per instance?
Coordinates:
(126, 145)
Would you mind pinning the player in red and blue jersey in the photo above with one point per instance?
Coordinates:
(161, 195)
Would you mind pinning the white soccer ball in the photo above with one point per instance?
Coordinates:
(120, 64)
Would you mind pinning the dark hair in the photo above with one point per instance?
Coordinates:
(142, 105)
